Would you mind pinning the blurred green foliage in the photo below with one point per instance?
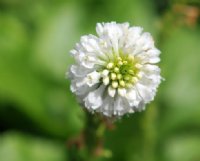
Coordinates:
(40, 120)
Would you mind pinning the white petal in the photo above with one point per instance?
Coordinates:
(149, 69)
(132, 36)
(79, 71)
(133, 97)
(73, 87)
(105, 73)
(106, 80)
(94, 99)
(131, 94)
(145, 92)
(108, 106)
(80, 87)
(145, 41)
(122, 91)
(154, 60)
(87, 61)
(111, 91)
(153, 52)
(93, 78)
(150, 80)
(73, 52)
(99, 29)
(121, 106)
(140, 107)
(111, 32)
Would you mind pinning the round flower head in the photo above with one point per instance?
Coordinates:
(115, 72)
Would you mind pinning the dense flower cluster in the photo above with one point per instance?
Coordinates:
(115, 72)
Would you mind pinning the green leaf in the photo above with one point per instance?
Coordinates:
(138, 13)
(50, 106)
(180, 91)
(182, 148)
(56, 37)
(20, 147)
(13, 37)
(53, 109)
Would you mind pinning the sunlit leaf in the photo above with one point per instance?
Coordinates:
(182, 148)
(180, 91)
(18, 147)
(55, 39)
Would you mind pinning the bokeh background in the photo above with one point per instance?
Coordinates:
(40, 120)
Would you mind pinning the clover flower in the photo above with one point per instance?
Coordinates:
(115, 72)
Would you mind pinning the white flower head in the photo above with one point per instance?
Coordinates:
(115, 72)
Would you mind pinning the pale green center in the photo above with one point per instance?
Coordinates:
(121, 72)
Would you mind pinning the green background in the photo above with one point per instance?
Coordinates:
(40, 119)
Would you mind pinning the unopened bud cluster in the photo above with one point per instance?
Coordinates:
(122, 72)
